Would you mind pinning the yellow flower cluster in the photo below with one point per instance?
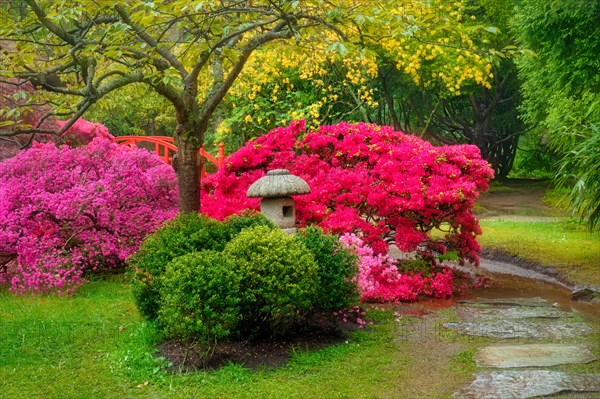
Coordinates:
(436, 46)
(431, 44)
(437, 59)
(330, 74)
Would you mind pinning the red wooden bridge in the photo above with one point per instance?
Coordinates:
(164, 147)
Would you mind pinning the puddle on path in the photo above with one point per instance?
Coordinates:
(497, 268)
(506, 286)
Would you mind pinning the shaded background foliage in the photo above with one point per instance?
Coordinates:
(561, 89)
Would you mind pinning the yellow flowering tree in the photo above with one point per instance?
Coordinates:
(468, 93)
(403, 47)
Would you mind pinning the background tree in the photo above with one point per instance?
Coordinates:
(479, 106)
(561, 89)
(191, 52)
(134, 110)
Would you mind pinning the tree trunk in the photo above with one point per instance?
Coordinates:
(389, 100)
(187, 166)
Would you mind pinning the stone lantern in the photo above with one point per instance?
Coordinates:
(275, 189)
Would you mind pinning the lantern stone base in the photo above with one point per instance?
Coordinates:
(280, 210)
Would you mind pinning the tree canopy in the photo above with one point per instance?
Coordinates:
(192, 53)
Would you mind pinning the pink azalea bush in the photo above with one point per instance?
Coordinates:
(380, 280)
(65, 211)
(365, 179)
(82, 132)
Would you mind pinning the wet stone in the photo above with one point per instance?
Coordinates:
(475, 313)
(507, 329)
(523, 384)
(536, 301)
(532, 355)
(585, 293)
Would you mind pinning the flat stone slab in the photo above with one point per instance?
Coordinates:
(532, 355)
(507, 329)
(587, 293)
(474, 313)
(523, 384)
(536, 301)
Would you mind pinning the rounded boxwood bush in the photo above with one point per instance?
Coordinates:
(278, 280)
(187, 233)
(199, 298)
(234, 224)
(337, 269)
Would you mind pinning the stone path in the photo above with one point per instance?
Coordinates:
(528, 319)
(532, 355)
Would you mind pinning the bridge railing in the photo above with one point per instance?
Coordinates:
(164, 147)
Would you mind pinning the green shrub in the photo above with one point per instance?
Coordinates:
(337, 269)
(199, 298)
(184, 234)
(236, 223)
(278, 280)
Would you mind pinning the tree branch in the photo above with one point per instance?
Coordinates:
(51, 26)
(219, 91)
(143, 35)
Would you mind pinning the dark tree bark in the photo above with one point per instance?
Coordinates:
(389, 98)
(188, 168)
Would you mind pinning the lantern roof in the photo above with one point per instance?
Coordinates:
(278, 183)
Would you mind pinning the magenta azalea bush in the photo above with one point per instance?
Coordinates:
(82, 132)
(65, 211)
(365, 179)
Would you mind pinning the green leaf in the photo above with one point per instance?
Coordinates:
(491, 29)
(338, 47)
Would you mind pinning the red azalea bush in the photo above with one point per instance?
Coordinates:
(368, 179)
(65, 211)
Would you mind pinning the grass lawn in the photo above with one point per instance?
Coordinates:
(567, 247)
(95, 345)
